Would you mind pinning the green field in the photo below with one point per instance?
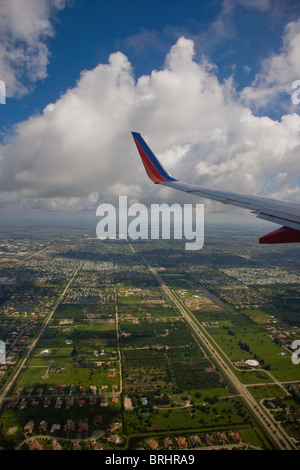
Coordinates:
(35, 374)
(260, 346)
(269, 391)
(223, 413)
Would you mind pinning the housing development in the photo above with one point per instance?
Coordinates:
(117, 345)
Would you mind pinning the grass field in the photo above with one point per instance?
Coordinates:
(266, 391)
(36, 374)
(206, 415)
(260, 345)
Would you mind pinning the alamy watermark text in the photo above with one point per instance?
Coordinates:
(296, 93)
(2, 92)
(137, 222)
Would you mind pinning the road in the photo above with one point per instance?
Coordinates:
(277, 435)
(34, 342)
(118, 343)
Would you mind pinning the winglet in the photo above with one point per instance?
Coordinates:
(153, 167)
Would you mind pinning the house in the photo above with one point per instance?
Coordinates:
(12, 404)
(221, 436)
(42, 426)
(83, 425)
(47, 402)
(168, 443)
(96, 445)
(23, 403)
(76, 446)
(113, 426)
(195, 440)
(182, 442)
(152, 444)
(235, 437)
(97, 421)
(103, 401)
(69, 426)
(69, 403)
(209, 440)
(54, 427)
(29, 427)
(58, 403)
(114, 439)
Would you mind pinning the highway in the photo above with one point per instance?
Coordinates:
(277, 435)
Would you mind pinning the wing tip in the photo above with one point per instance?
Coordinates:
(281, 235)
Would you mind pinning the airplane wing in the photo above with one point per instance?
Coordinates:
(283, 213)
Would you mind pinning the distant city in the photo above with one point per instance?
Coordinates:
(116, 344)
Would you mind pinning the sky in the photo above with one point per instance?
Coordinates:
(207, 83)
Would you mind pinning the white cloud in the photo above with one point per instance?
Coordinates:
(80, 151)
(277, 73)
(25, 27)
(256, 4)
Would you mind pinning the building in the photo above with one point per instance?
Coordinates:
(58, 403)
(12, 404)
(69, 426)
(97, 421)
(209, 440)
(168, 443)
(54, 427)
(182, 442)
(83, 425)
(96, 445)
(69, 402)
(114, 439)
(195, 440)
(103, 401)
(42, 426)
(23, 403)
(47, 402)
(252, 363)
(235, 437)
(153, 444)
(113, 426)
(29, 427)
(222, 439)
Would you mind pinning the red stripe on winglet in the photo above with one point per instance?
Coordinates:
(282, 235)
(151, 171)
